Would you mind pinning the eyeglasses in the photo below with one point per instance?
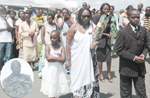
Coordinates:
(135, 17)
(84, 16)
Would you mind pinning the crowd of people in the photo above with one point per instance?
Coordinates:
(77, 43)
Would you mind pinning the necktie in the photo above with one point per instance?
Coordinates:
(136, 31)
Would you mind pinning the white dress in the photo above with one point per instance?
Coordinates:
(82, 72)
(54, 78)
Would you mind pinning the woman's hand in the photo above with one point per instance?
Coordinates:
(17, 41)
(68, 64)
(31, 33)
(94, 44)
(111, 35)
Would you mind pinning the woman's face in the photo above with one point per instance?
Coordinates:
(49, 19)
(12, 15)
(58, 13)
(38, 14)
(105, 9)
(85, 17)
(22, 15)
(111, 9)
(65, 13)
(27, 17)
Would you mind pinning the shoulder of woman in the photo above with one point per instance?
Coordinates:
(73, 26)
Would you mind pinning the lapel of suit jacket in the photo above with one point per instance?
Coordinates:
(139, 32)
(130, 31)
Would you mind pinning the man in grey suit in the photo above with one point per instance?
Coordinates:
(132, 49)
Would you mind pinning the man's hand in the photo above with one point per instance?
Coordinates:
(139, 59)
(142, 56)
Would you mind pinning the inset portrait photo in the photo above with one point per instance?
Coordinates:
(16, 78)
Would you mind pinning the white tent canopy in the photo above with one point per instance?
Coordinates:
(70, 4)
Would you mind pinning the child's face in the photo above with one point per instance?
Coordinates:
(12, 15)
(54, 38)
(49, 19)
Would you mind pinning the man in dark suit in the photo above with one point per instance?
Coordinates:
(131, 48)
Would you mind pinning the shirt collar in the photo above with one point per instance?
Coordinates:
(133, 28)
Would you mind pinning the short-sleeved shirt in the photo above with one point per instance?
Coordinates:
(5, 36)
(147, 23)
(123, 20)
(18, 22)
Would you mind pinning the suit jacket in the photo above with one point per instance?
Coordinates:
(127, 46)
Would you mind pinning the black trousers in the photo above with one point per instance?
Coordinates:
(126, 86)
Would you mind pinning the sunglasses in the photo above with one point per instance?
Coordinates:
(135, 17)
(84, 16)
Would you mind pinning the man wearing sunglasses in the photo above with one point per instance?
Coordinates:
(131, 48)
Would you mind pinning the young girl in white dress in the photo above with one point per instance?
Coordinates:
(54, 80)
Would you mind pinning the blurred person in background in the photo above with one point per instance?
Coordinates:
(142, 13)
(93, 15)
(147, 24)
(31, 11)
(19, 38)
(39, 19)
(121, 11)
(124, 17)
(114, 28)
(84, 5)
(104, 48)
(5, 36)
(58, 15)
(46, 30)
(98, 12)
(29, 31)
(88, 6)
(147, 19)
(15, 52)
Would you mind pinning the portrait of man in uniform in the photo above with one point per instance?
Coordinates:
(17, 85)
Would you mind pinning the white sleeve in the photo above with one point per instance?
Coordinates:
(9, 20)
(17, 23)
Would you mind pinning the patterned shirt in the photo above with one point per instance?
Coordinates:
(147, 23)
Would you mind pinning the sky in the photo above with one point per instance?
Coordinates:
(118, 4)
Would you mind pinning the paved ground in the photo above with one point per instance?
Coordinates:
(107, 90)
